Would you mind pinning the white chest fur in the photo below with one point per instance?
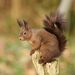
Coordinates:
(30, 42)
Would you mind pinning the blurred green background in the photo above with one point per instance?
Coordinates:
(14, 54)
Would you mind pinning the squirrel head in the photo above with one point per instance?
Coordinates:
(25, 30)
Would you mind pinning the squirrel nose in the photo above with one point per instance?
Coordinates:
(20, 38)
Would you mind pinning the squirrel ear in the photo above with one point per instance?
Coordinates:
(26, 25)
(20, 23)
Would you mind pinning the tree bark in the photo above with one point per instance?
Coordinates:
(48, 69)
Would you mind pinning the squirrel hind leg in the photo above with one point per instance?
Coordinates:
(44, 61)
(46, 55)
(41, 62)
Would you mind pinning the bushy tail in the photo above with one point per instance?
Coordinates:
(55, 24)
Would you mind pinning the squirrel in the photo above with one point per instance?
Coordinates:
(50, 40)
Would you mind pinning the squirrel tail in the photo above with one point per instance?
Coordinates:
(55, 24)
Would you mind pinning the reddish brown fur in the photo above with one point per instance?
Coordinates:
(61, 25)
(49, 40)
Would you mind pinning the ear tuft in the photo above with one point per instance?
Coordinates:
(27, 27)
(25, 22)
(20, 23)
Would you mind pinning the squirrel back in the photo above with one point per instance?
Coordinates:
(55, 24)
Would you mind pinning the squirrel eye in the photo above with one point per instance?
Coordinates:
(24, 33)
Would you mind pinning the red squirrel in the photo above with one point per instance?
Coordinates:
(50, 40)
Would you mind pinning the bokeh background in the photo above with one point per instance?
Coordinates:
(14, 53)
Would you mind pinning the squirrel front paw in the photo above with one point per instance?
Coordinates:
(32, 51)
